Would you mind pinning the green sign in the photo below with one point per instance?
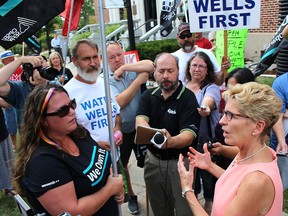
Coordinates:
(236, 40)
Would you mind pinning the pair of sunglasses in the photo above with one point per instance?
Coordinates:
(63, 110)
(183, 36)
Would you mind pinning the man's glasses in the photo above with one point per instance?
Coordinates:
(229, 115)
(114, 42)
(63, 110)
(183, 36)
(200, 67)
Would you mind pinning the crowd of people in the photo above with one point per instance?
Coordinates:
(63, 161)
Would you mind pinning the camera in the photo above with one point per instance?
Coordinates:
(210, 145)
(48, 73)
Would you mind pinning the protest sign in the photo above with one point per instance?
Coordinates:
(236, 40)
(211, 15)
(110, 4)
(131, 57)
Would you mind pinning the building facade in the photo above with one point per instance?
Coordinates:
(148, 11)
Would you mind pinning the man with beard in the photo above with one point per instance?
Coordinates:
(186, 41)
(172, 108)
(89, 92)
(125, 82)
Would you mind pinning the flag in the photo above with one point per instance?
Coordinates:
(19, 19)
(75, 15)
(168, 14)
(114, 4)
(278, 42)
(33, 44)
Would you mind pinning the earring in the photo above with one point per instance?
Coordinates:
(253, 134)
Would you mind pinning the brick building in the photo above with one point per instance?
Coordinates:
(257, 39)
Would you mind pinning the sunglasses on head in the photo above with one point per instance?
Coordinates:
(63, 110)
(183, 36)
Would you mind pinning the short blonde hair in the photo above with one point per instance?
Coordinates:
(257, 101)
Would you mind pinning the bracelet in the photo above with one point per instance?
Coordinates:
(185, 191)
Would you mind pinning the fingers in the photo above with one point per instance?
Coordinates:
(120, 197)
(180, 163)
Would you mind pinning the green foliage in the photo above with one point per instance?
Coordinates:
(55, 23)
(149, 50)
(285, 203)
(8, 206)
(87, 12)
(265, 80)
(17, 49)
(111, 28)
(79, 37)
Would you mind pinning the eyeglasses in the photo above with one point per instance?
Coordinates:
(183, 36)
(200, 67)
(114, 42)
(63, 110)
(229, 115)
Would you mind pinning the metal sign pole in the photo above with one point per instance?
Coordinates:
(107, 91)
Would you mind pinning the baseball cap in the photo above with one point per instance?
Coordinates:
(183, 27)
(7, 54)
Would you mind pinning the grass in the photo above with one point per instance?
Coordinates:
(8, 206)
(265, 80)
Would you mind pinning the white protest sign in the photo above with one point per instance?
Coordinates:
(212, 15)
(110, 4)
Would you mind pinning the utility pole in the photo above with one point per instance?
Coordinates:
(130, 25)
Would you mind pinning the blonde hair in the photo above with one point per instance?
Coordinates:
(257, 101)
(51, 56)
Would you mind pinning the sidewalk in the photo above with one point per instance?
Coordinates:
(138, 185)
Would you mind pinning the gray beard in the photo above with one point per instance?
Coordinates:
(91, 76)
(187, 48)
(169, 89)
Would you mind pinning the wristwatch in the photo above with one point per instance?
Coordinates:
(185, 191)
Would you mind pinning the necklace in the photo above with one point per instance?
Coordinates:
(250, 156)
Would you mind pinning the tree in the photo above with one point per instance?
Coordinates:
(86, 12)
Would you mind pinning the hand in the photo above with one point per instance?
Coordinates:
(120, 197)
(36, 61)
(204, 110)
(186, 177)
(36, 79)
(118, 73)
(168, 136)
(115, 184)
(202, 161)
(217, 148)
(104, 145)
(61, 79)
(119, 139)
(225, 63)
(282, 148)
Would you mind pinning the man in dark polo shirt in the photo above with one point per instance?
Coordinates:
(173, 108)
